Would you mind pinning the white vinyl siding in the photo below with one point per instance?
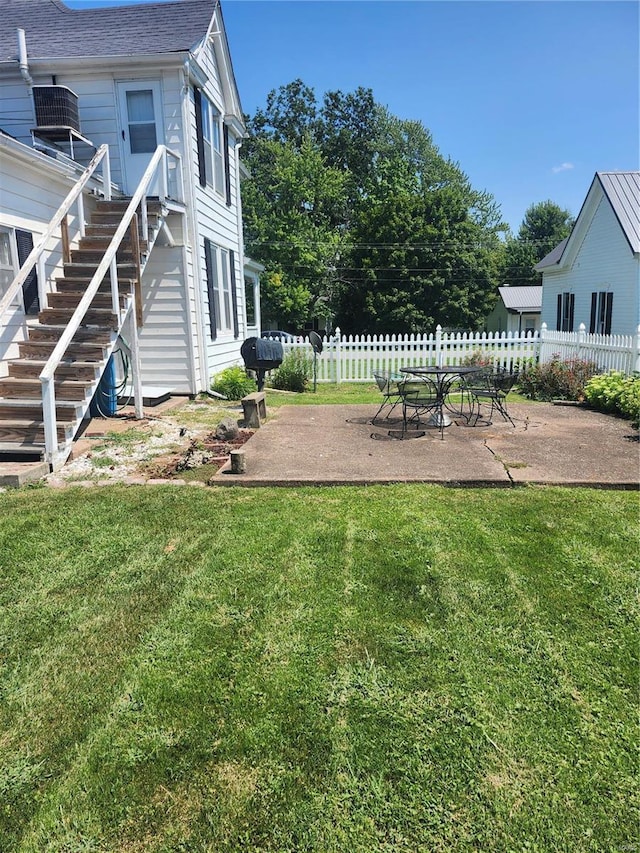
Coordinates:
(603, 262)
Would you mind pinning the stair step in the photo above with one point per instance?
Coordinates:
(31, 410)
(100, 243)
(32, 368)
(31, 432)
(102, 317)
(113, 217)
(81, 284)
(71, 299)
(82, 351)
(73, 270)
(84, 333)
(119, 205)
(92, 257)
(25, 388)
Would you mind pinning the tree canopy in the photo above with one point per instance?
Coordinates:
(355, 213)
(544, 226)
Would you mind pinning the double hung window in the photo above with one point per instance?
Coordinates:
(8, 267)
(221, 290)
(565, 311)
(210, 143)
(601, 310)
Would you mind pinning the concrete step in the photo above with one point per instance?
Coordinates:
(16, 474)
(77, 371)
(31, 389)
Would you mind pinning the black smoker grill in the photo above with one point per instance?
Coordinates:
(261, 355)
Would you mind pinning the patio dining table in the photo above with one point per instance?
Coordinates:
(442, 378)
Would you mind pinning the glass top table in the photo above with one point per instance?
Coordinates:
(442, 378)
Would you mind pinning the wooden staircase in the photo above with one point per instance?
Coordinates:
(78, 375)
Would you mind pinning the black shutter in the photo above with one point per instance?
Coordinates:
(234, 293)
(607, 313)
(24, 241)
(572, 302)
(594, 312)
(209, 258)
(202, 164)
(227, 170)
(559, 314)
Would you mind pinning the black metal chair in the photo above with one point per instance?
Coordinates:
(419, 397)
(387, 382)
(492, 387)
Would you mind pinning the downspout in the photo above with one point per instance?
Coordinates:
(22, 58)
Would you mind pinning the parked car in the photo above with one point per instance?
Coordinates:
(279, 335)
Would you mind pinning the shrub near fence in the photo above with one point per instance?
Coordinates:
(354, 358)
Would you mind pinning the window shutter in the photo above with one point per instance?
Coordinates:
(210, 260)
(227, 170)
(202, 165)
(234, 294)
(607, 312)
(594, 312)
(559, 314)
(24, 241)
(572, 302)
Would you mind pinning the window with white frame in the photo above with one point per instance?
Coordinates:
(8, 262)
(219, 290)
(601, 311)
(210, 123)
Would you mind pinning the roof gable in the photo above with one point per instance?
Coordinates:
(54, 31)
(622, 191)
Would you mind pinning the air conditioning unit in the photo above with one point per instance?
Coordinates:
(56, 106)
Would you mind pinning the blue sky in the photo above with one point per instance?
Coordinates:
(530, 98)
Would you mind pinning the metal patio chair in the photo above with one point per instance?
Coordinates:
(420, 397)
(387, 382)
(492, 387)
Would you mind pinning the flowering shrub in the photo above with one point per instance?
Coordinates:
(233, 383)
(557, 379)
(615, 392)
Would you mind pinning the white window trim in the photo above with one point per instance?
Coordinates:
(12, 267)
(212, 137)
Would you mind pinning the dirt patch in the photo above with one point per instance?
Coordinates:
(199, 460)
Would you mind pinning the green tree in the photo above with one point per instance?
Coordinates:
(544, 226)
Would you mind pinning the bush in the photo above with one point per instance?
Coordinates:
(233, 383)
(557, 380)
(294, 372)
(614, 392)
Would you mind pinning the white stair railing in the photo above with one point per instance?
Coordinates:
(108, 263)
(37, 254)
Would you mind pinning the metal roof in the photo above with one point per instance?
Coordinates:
(622, 189)
(522, 299)
(54, 31)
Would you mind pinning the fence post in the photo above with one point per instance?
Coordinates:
(636, 351)
(582, 334)
(438, 345)
(543, 332)
(337, 338)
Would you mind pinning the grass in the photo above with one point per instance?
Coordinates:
(399, 668)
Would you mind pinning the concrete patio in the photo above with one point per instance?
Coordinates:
(550, 444)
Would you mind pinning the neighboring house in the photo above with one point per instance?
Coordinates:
(517, 310)
(154, 83)
(593, 277)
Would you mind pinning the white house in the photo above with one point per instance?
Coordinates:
(150, 88)
(593, 277)
(517, 310)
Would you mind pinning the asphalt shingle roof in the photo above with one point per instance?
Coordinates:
(55, 31)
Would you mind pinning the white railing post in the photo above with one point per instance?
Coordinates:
(636, 351)
(106, 176)
(164, 176)
(115, 297)
(136, 365)
(49, 418)
(337, 351)
(81, 214)
(42, 281)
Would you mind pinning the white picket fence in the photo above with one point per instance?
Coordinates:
(354, 358)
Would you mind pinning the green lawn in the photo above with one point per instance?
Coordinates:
(400, 668)
(347, 393)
